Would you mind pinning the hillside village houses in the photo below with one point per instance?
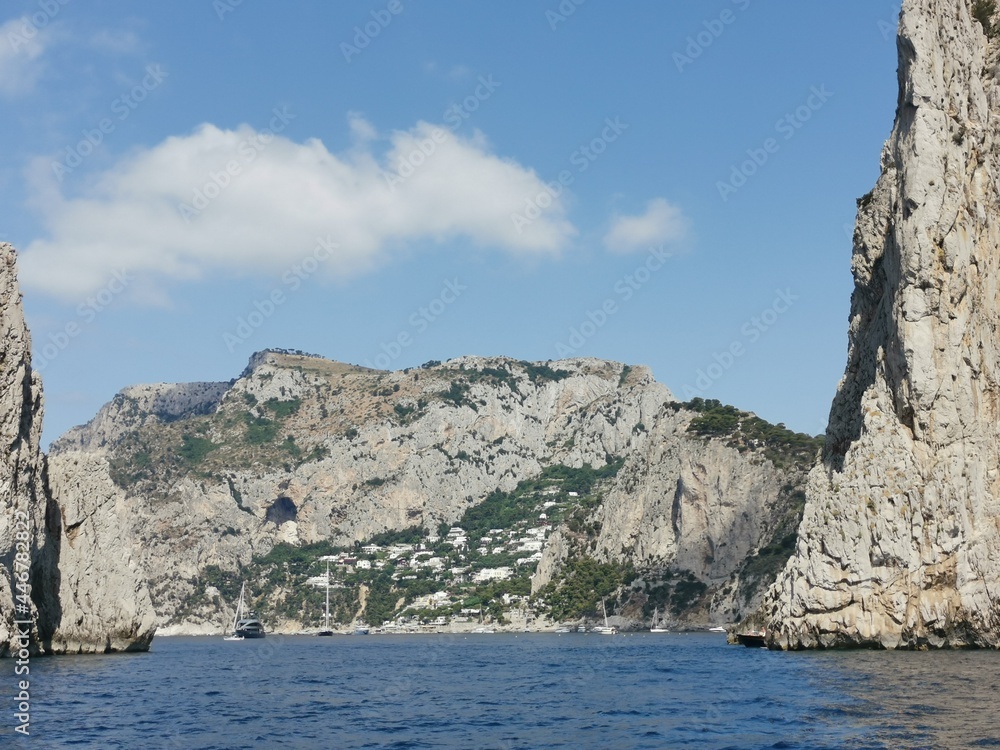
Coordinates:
(410, 561)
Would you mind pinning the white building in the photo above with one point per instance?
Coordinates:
(492, 574)
(434, 563)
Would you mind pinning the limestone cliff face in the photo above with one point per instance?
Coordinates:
(900, 542)
(28, 522)
(303, 450)
(103, 596)
(697, 505)
(85, 594)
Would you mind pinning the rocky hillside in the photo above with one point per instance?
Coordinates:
(67, 573)
(301, 456)
(898, 547)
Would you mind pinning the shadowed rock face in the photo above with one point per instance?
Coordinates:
(900, 542)
(85, 592)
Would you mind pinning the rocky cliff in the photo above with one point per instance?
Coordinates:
(67, 580)
(304, 451)
(29, 522)
(900, 542)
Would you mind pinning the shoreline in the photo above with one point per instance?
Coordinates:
(175, 632)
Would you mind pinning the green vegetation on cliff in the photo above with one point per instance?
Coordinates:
(580, 586)
(745, 431)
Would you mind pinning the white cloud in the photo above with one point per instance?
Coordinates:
(145, 215)
(662, 222)
(21, 47)
(361, 129)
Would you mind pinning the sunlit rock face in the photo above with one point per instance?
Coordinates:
(900, 542)
(68, 581)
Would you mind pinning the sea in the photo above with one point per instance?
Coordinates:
(505, 691)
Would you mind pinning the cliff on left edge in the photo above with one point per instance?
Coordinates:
(68, 583)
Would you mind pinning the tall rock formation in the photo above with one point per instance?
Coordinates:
(83, 591)
(900, 542)
(29, 523)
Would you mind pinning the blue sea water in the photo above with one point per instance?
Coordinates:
(506, 692)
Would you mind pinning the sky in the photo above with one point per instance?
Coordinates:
(386, 183)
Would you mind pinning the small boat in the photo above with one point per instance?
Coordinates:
(657, 628)
(605, 629)
(561, 630)
(245, 625)
(717, 629)
(361, 630)
(753, 638)
(326, 619)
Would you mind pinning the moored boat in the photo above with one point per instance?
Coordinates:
(326, 618)
(246, 624)
(753, 638)
(657, 626)
(605, 629)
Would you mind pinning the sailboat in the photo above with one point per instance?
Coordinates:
(246, 624)
(655, 627)
(236, 617)
(605, 629)
(326, 620)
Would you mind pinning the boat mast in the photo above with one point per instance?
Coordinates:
(605, 613)
(326, 625)
(239, 607)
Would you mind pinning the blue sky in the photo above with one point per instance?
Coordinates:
(385, 183)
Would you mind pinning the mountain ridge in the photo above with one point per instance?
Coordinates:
(304, 451)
